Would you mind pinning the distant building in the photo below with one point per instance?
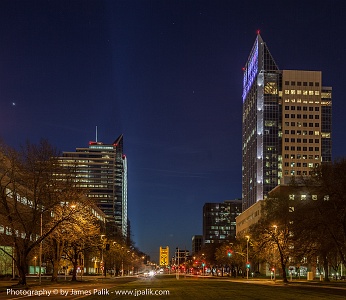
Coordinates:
(219, 222)
(101, 170)
(164, 256)
(287, 124)
(197, 242)
(247, 218)
(181, 256)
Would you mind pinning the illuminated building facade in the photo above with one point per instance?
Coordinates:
(101, 170)
(286, 125)
(164, 256)
(219, 224)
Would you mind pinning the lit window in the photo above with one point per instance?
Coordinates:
(305, 92)
(326, 198)
(317, 92)
(287, 92)
(299, 92)
(302, 197)
(291, 197)
(311, 93)
(293, 92)
(291, 209)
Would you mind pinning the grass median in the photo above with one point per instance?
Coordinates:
(198, 288)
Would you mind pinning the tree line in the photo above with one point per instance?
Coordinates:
(301, 224)
(42, 211)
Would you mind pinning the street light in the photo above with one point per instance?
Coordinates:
(102, 235)
(274, 256)
(247, 257)
(35, 258)
(40, 254)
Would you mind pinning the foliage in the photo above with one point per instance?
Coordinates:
(29, 194)
(74, 236)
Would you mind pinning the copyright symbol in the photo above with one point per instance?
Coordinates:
(55, 291)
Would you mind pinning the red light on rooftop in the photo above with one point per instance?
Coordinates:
(243, 68)
(258, 31)
(92, 143)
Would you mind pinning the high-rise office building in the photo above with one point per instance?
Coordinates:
(286, 125)
(101, 170)
(197, 242)
(219, 224)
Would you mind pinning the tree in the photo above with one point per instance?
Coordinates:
(29, 194)
(75, 248)
(320, 220)
(330, 185)
(272, 235)
(232, 256)
(75, 235)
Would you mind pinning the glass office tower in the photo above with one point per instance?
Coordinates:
(286, 125)
(101, 170)
(261, 115)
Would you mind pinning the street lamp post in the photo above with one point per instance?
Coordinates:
(35, 265)
(275, 228)
(247, 257)
(102, 264)
(40, 254)
(177, 272)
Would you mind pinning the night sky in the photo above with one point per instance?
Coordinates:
(167, 75)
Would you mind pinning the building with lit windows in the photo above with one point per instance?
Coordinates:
(219, 224)
(101, 170)
(286, 124)
(164, 256)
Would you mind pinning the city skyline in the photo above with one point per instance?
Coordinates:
(168, 76)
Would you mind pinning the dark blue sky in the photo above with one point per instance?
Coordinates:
(167, 75)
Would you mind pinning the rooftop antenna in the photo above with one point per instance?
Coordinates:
(96, 134)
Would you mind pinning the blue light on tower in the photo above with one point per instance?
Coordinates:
(250, 70)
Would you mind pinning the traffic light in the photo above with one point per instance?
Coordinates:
(229, 253)
(248, 265)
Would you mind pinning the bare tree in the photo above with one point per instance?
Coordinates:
(272, 235)
(29, 195)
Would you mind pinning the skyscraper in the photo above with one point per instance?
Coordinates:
(286, 124)
(101, 170)
(219, 224)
